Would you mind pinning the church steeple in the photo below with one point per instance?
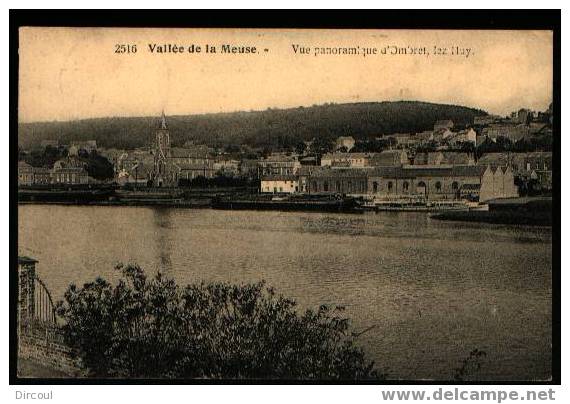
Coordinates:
(162, 166)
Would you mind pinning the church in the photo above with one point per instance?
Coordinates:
(172, 164)
(163, 173)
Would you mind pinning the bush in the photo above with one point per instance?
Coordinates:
(153, 328)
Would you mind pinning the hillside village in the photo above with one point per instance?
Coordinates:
(492, 157)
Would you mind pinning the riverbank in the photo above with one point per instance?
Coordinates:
(513, 211)
(217, 198)
(536, 211)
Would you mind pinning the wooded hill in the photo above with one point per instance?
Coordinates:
(275, 128)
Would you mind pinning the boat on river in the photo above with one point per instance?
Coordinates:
(320, 203)
(76, 195)
(415, 205)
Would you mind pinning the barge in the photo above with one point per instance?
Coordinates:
(320, 203)
(411, 205)
(69, 195)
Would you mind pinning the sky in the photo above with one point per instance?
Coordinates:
(75, 73)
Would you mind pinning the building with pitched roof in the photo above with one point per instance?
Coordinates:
(278, 164)
(439, 182)
(280, 184)
(346, 159)
(389, 158)
(535, 166)
(443, 157)
(442, 124)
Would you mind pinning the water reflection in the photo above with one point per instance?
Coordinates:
(433, 290)
(162, 225)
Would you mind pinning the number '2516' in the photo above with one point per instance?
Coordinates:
(125, 48)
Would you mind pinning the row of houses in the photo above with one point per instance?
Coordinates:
(522, 124)
(61, 173)
(442, 134)
(473, 182)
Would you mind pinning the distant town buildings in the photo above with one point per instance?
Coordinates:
(355, 160)
(69, 175)
(86, 146)
(26, 174)
(346, 142)
(49, 143)
(389, 158)
(403, 139)
(445, 124)
(463, 136)
(523, 116)
(278, 164)
(438, 164)
(249, 168)
(346, 159)
(513, 132)
(61, 173)
(485, 119)
(443, 158)
(535, 166)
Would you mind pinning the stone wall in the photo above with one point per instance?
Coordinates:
(51, 354)
(39, 337)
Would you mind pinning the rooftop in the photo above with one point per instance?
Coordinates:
(279, 178)
(22, 259)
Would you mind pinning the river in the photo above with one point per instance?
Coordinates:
(433, 290)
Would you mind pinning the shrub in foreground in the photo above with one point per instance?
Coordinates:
(154, 328)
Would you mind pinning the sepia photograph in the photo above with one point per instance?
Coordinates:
(285, 205)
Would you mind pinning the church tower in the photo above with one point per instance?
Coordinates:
(161, 154)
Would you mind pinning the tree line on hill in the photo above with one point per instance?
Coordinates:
(277, 129)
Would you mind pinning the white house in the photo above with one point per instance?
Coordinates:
(280, 184)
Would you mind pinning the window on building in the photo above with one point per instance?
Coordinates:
(375, 187)
(438, 186)
(454, 185)
(326, 186)
(390, 185)
(405, 186)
